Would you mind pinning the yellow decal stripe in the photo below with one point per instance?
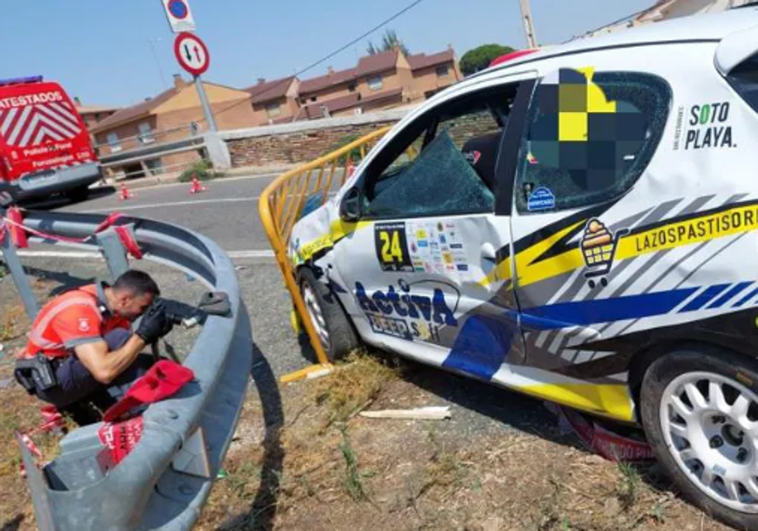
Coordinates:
(609, 400)
(338, 230)
(703, 228)
(529, 273)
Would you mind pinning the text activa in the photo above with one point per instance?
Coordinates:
(405, 304)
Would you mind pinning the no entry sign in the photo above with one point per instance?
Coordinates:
(179, 15)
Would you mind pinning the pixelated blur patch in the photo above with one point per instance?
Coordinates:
(581, 131)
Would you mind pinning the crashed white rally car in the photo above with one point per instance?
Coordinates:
(578, 224)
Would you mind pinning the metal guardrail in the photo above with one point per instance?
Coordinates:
(78, 490)
(280, 206)
(153, 151)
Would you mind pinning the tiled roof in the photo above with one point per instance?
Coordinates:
(349, 101)
(315, 84)
(421, 60)
(270, 90)
(89, 109)
(135, 111)
(379, 62)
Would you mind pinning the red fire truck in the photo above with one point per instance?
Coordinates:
(45, 148)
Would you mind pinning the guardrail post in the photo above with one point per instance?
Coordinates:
(19, 275)
(218, 151)
(114, 252)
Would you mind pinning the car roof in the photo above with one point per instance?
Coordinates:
(698, 28)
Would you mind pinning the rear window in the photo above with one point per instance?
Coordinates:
(744, 79)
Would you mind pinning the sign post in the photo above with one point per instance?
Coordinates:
(193, 56)
(179, 15)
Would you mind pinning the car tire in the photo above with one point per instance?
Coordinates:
(338, 337)
(697, 404)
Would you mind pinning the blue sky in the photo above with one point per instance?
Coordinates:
(100, 51)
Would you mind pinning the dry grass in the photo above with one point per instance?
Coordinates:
(11, 323)
(352, 386)
(343, 472)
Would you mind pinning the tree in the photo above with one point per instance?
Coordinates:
(390, 41)
(481, 57)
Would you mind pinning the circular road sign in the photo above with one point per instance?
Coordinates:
(192, 53)
(178, 9)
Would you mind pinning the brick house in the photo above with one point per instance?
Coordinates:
(274, 101)
(172, 115)
(379, 81)
(432, 73)
(92, 114)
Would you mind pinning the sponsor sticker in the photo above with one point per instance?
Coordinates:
(392, 247)
(541, 199)
(708, 127)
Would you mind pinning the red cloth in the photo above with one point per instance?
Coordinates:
(163, 380)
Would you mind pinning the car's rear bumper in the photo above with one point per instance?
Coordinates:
(53, 182)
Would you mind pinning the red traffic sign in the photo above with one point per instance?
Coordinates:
(192, 53)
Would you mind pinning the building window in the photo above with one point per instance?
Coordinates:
(351, 87)
(146, 133)
(443, 71)
(113, 142)
(375, 82)
(155, 166)
(313, 98)
(273, 110)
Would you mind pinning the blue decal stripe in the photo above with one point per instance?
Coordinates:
(704, 298)
(582, 313)
(726, 297)
(747, 297)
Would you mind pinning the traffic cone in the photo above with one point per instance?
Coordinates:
(125, 194)
(196, 186)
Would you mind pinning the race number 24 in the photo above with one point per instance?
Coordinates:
(392, 247)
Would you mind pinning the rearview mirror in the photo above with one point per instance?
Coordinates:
(350, 207)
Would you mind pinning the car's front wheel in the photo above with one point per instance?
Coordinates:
(699, 407)
(333, 326)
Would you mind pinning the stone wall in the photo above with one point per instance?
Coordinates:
(301, 142)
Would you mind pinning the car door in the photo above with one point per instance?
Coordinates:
(421, 265)
(588, 138)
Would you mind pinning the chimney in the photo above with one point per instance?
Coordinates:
(261, 80)
(178, 81)
(330, 70)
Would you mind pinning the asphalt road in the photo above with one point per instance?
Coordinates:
(227, 213)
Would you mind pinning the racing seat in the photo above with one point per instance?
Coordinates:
(481, 152)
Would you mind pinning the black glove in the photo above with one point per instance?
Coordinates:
(155, 324)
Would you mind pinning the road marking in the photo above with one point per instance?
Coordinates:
(219, 180)
(58, 254)
(174, 204)
(177, 204)
(252, 253)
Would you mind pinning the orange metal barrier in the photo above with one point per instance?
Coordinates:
(280, 206)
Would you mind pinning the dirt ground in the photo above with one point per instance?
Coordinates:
(303, 458)
(321, 466)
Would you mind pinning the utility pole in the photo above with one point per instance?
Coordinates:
(526, 15)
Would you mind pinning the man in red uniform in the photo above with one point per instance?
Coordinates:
(84, 336)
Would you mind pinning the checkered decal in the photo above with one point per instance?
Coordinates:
(579, 131)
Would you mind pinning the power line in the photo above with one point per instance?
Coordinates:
(336, 52)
